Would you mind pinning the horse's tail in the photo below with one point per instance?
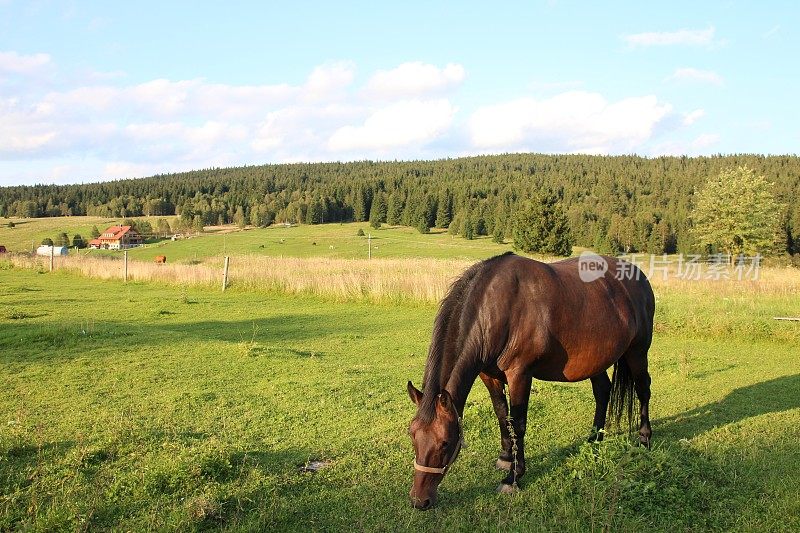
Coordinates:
(622, 394)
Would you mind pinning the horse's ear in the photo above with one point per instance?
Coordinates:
(445, 400)
(413, 393)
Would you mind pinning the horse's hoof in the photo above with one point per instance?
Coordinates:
(505, 466)
(505, 488)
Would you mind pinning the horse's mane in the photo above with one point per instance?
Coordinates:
(449, 315)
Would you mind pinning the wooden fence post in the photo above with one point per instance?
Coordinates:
(225, 274)
(52, 251)
(125, 275)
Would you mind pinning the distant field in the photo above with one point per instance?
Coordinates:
(337, 241)
(153, 406)
(28, 233)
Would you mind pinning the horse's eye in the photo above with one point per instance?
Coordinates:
(444, 444)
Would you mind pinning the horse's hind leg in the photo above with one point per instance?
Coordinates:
(500, 404)
(601, 387)
(637, 362)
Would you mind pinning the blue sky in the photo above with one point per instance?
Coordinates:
(92, 91)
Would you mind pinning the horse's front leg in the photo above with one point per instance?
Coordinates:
(519, 392)
(500, 404)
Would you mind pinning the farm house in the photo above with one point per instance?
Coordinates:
(117, 238)
(54, 250)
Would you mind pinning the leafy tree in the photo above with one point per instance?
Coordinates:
(197, 224)
(737, 213)
(541, 227)
(360, 232)
(238, 217)
(47, 241)
(794, 231)
(78, 242)
(162, 227)
(95, 232)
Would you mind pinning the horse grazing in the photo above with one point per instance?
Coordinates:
(161, 259)
(509, 319)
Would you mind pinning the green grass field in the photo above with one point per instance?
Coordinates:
(145, 406)
(338, 241)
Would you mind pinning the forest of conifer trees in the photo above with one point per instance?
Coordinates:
(613, 204)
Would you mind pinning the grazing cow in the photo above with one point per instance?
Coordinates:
(161, 259)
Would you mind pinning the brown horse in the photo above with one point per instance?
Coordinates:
(510, 319)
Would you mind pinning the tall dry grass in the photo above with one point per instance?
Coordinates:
(424, 280)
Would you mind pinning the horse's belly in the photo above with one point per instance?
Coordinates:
(570, 362)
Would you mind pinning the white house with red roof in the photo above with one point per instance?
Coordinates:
(117, 238)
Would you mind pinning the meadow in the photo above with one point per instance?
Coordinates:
(165, 403)
(332, 241)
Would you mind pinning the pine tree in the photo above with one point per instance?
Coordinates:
(95, 232)
(468, 228)
(63, 239)
(315, 213)
(78, 242)
(444, 211)
(395, 209)
(542, 227)
(497, 235)
(378, 212)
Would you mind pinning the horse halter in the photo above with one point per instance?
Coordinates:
(450, 460)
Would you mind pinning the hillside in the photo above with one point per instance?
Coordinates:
(613, 203)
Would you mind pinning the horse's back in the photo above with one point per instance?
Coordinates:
(565, 326)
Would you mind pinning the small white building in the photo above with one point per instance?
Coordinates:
(54, 250)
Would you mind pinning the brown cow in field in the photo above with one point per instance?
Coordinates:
(161, 259)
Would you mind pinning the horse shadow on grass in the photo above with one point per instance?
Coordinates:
(772, 396)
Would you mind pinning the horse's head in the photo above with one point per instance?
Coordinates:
(436, 445)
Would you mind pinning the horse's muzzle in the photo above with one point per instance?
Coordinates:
(422, 504)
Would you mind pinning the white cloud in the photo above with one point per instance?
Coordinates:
(106, 128)
(693, 116)
(397, 125)
(575, 121)
(328, 81)
(14, 63)
(414, 79)
(696, 75)
(667, 38)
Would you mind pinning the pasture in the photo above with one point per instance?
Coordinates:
(163, 406)
(332, 241)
